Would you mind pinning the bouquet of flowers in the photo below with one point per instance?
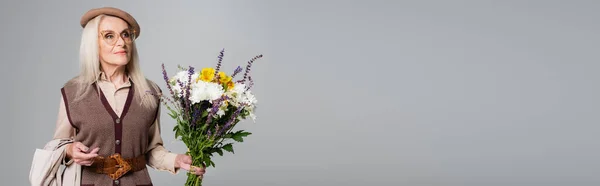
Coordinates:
(207, 105)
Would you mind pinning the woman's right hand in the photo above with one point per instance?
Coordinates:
(81, 154)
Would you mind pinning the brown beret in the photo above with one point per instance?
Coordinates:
(91, 14)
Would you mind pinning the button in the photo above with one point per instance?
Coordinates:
(118, 120)
(118, 142)
(117, 182)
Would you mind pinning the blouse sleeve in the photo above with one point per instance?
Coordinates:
(63, 129)
(158, 157)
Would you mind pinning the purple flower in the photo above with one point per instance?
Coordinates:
(195, 114)
(181, 92)
(219, 64)
(216, 130)
(236, 71)
(167, 79)
(248, 68)
(188, 86)
(250, 84)
(214, 109)
(232, 119)
(184, 100)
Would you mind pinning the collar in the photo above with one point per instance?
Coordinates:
(102, 77)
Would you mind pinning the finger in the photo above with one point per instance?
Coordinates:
(87, 156)
(185, 166)
(197, 170)
(95, 151)
(80, 147)
(187, 159)
(200, 168)
(86, 162)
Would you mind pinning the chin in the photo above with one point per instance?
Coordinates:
(121, 61)
(118, 63)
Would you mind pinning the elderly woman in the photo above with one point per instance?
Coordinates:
(109, 110)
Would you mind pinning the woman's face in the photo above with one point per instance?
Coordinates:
(115, 40)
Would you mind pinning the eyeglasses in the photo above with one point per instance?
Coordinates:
(110, 37)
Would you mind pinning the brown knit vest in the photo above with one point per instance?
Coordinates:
(98, 126)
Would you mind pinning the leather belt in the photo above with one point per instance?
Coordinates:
(115, 166)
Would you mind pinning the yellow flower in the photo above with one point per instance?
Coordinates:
(223, 78)
(230, 85)
(207, 74)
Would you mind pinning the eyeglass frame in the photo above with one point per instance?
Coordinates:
(132, 32)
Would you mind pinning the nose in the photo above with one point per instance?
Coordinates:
(120, 41)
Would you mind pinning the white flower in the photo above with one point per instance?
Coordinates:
(177, 90)
(241, 96)
(203, 91)
(253, 116)
(214, 91)
(220, 112)
(247, 98)
(238, 88)
(179, 76)
(183, 77)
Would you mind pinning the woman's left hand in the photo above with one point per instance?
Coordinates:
(185, 162)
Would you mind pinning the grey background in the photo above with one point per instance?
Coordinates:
(416, 93)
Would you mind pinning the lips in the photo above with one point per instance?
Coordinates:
(121, 52)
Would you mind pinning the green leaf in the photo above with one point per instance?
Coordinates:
(173, 114)
(228, 147)
(237, 138)
(177, 134)
(220, 151)
(181, 127)
(206, 159)
(206, 162)
(203, 128)
(244, 134)
(185, 122)
(224, 86)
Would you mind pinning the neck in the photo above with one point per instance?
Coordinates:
(114, 73)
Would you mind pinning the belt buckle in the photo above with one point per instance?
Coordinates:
(122, 165)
